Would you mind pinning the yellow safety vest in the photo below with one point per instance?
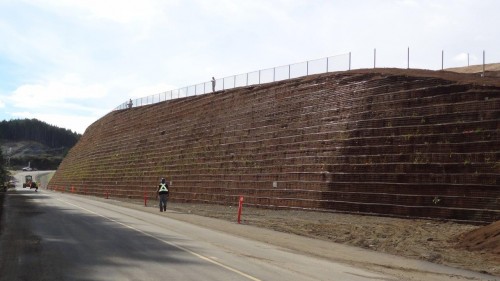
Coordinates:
(163, 187)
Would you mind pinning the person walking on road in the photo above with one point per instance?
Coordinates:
(213, 85)
(163, 194)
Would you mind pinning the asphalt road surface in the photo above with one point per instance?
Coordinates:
(53, 236)
(48, 235)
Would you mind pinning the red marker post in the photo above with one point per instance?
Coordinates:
(145, 199)
(240, 207)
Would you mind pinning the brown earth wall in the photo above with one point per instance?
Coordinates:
(357, 142)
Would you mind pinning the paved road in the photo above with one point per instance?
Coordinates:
(53, 236)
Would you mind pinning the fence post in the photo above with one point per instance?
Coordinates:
(247, 78)
(307, 68)
(274, 74)
(327, 65)
(349, 60)
(289, 72)
(484, 60)
(408, 63)
(223, 83)
(259, 77)
(374, 57)
(442, 59)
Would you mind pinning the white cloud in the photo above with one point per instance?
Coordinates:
(85, 57)
(410, 3)
(462, 57)
(119, 11)
(66, 102)
(68, 90)
(71, 122)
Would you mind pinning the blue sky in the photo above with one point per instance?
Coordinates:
(69, 63)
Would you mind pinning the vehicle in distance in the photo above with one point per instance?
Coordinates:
(27, 181)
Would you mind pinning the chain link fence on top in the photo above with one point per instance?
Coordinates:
(335, 63)
(340, 62)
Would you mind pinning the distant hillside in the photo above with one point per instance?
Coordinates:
(491, 70)
(31, 140)
(36, 130)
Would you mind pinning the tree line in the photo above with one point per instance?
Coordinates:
(36, 130)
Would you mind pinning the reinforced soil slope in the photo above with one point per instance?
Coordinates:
(399, 143)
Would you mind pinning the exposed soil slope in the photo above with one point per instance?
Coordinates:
(493, 68)
(484, 239)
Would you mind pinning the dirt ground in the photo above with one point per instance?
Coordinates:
(439, 242)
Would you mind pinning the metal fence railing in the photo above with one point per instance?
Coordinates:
(340, 62)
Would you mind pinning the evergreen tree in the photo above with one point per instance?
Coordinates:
(36, 130)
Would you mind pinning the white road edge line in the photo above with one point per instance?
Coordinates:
(168, 243)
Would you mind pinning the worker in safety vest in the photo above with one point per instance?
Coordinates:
(163, 194)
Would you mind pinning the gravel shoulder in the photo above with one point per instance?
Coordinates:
(354, 236)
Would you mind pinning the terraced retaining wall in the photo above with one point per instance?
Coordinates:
(395, 143)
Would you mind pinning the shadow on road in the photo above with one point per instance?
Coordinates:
(43, 242)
